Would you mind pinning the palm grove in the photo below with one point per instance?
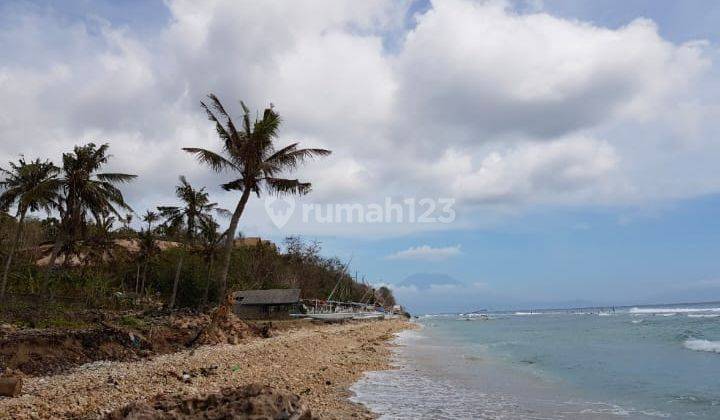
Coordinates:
(179, 255)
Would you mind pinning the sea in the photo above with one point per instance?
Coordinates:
(635, 362)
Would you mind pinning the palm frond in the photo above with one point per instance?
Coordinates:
(291, 158)
(215, 161)
(116, 177)
(236, 185)
(282, 186)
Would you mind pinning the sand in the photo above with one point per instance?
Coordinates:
(318, 363)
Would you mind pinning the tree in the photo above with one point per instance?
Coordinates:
(148, 250)
(127, 221)
(31, 186)
(385, 296)
(85, 192)
(249, 153)
(148, 246)
(210, 244)
(100, 247)
(150, 217)
(196, 208)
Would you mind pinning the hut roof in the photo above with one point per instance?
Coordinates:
(268, 297)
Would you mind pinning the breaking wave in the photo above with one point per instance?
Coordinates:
(670, 310)
(703, 345)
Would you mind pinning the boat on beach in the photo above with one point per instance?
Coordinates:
(338, 311)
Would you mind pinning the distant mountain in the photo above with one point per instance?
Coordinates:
(426, 280)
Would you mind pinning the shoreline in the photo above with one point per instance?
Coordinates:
(317, 362)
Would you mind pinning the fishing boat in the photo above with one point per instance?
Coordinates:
(333, 310)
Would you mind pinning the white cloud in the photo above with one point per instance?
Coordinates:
(559, 170)
(426, 253)
(477, 102)
(485, 70)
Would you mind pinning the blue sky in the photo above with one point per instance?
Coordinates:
(579, 139)
(554, 257)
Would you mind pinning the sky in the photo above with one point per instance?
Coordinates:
(563, 152)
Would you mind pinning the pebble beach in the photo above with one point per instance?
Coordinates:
(316, 362)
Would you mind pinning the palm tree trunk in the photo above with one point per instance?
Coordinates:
(13, 247)
(177, 279)
(229, 240)
(209, 279)
(137, 278)
(51, 264)
(144, 277)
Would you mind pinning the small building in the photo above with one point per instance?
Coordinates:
(267, 304)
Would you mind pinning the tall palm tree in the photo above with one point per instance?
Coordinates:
(150, 217)
(249, 153)
(196, 208)
(127, 220)
(148, 246)
(86, 192)
(148, 250)
(32, 186)
(210, 244)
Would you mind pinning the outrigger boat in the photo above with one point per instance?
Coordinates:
(338, 311)
(331, 310)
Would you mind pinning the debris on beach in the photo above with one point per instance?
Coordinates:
(250, 401)
(224, 327)
(120, 337)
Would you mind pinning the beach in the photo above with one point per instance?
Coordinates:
(317, 362)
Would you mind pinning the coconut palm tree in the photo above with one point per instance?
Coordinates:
(249, 153)
(100, 247)
(85, 192)
(150, 217)
(31, 186)
(195, 209)
(148, 250)
(210, 244)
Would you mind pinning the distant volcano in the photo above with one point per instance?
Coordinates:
(426, 280)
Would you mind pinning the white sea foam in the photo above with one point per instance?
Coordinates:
(671, 310)
(703, 345)
(703, 315)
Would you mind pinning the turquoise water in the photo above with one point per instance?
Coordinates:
(634, 363)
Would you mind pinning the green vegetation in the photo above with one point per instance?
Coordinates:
(85, 252)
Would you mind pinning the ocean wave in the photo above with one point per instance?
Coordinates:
(703, 315)
(703, 345)
(637, 310)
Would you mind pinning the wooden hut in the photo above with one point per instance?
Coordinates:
(266, 304)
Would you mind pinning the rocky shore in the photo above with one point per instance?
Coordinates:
(316, 362)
